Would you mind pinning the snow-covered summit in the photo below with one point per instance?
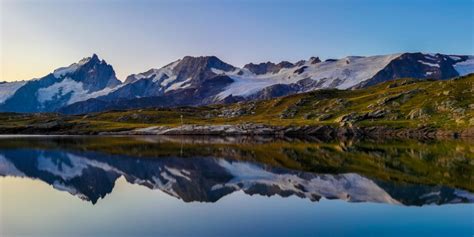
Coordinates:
(88, 78)
(62, 71)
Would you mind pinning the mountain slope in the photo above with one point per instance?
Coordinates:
(88, 78)
(7, 89)
(195, 77)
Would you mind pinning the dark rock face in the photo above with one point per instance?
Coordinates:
(137, 89)
(300, 70)
(200, 95)
(199, 68)
(300, 63)
(314, 60)
(416, 65)
(95, 75)
(279, 90)
(268, 67)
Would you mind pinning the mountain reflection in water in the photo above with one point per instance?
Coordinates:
(204, 169)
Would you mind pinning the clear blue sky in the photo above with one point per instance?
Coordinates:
(38, 36)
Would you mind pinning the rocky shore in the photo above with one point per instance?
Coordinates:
(324, 131)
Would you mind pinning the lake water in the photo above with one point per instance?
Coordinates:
(235, 186)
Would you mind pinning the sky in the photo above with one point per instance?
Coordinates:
(38, 36)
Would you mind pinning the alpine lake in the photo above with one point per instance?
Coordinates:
(235, 186)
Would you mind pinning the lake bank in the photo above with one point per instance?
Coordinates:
(247, 129)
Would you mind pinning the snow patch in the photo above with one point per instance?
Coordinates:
(9, 169)
(465, 67)
(348, 71)
(455, 58)
(69, 86)
(65, 170)
(429, 64)
(58, 73)
(218, 71)
(60, 89)
(179, 85)
(180, 173)
(168, 80)
(8, 89)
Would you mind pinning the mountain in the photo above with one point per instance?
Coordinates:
(195, 81)
(88, 78)
(214, 81)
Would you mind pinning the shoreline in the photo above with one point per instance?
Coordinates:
(323, 131)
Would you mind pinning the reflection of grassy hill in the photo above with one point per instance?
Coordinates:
(448, 162)
(405, 103)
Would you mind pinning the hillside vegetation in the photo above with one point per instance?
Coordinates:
(406, 103)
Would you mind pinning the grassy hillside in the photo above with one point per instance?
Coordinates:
(405, 103)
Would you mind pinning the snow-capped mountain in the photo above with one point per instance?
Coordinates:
(205, 80)
(194, 73)
(88, 78)
(91, 176)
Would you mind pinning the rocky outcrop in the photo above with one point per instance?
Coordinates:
(416, 65)
(268, 67)
(321, 131)
(279, 90)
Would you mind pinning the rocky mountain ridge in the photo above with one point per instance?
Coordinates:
(90, 85)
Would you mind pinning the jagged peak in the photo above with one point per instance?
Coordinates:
(314, 60)
(94, 59)
(265, 67)
(201, 59)
(203, 62)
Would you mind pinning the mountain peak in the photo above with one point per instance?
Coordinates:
(268, 67)
(190, 64)
(63, 71)
(314, 60)
(202, 60)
